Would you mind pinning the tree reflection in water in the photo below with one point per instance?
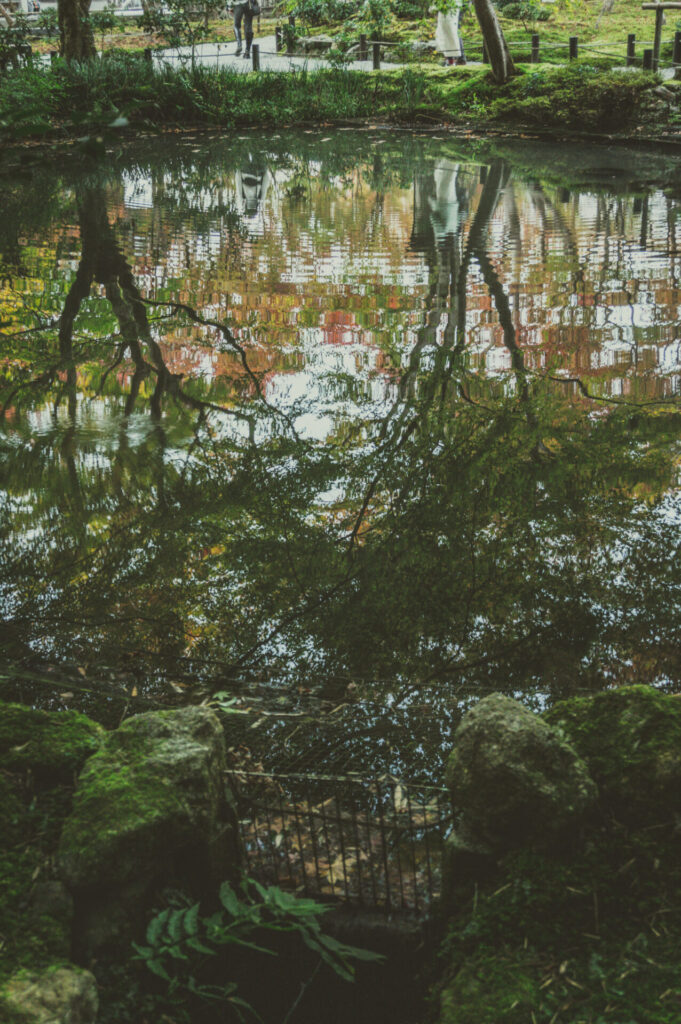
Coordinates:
(197, 498)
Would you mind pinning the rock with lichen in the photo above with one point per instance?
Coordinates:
(514, 778)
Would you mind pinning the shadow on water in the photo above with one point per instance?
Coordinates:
(352, 429)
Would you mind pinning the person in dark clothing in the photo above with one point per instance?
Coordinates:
(243, 12)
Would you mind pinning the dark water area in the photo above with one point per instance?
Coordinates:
(349, 427)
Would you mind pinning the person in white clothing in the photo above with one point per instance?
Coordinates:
(447, 37)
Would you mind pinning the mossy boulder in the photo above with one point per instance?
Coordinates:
(151, 809)
(57, 995)
(52, 746)
(514, 778)
(630, 738)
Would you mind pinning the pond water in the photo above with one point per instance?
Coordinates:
(351, 425)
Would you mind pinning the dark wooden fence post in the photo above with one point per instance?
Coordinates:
(647, 60)
(534, 56)
(147, 56)
(290, 34)
(659, 18)
(363, 48)
(377, 56)
(277, 39)
(676, 57)
(631, 49)
(53, 56)
(255, 54)
(574, 47)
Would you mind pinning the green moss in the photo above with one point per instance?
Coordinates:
(630, 739)
(26, 850)
(491, 991)
(40, 755)
(576, 96)
(52, 746)
(117, 807)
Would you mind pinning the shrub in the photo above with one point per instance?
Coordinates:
(526, 10)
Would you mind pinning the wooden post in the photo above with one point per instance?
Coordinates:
(147, 56)
(277, 39)
(659, 18)
(363, 48)
(534, 56)
(647, 60)
(53, 56)
(676, 58)
(255, 54)
(574, 47)
(631, 49)
(377, 55)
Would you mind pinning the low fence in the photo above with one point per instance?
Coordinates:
(373, 842)
(371, 53)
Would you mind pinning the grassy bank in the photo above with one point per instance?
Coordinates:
(125, 91)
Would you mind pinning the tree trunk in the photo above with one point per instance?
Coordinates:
(76, 41)
(495, 43)
(7, 16)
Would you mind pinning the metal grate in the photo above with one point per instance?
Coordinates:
(375, 842)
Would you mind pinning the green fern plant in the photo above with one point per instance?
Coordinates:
(180, 940)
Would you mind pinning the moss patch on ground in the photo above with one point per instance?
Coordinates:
(40, 756)
(591, 939)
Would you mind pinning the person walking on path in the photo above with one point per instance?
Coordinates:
(244, 12)
(447, 38)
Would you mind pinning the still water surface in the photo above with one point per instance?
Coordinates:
(377, 420)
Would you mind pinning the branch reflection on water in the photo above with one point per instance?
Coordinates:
(388, 417)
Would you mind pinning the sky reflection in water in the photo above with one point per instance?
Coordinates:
(378, 411)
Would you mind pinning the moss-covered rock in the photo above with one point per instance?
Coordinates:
(151, 809)
(514, 778)
(582, 933)
(630, 738)
(155, 793)
(52, 746)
